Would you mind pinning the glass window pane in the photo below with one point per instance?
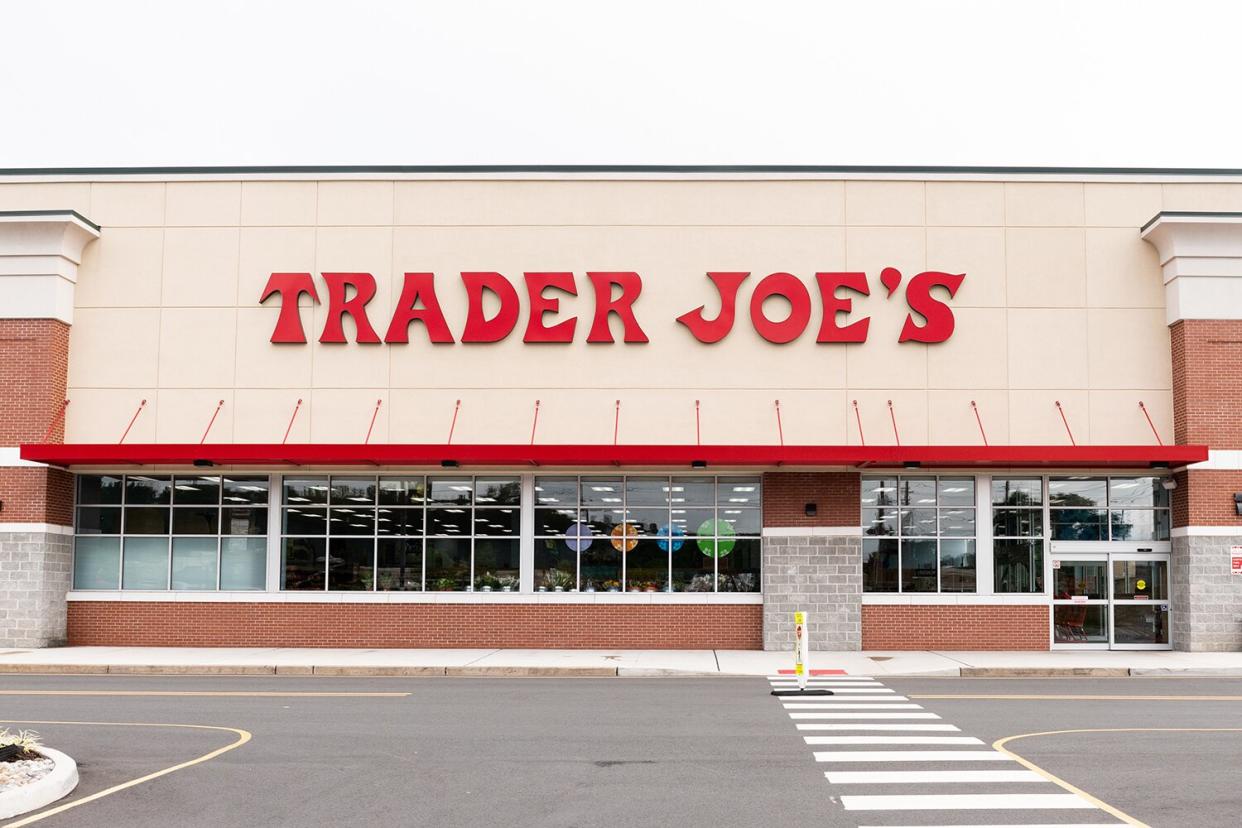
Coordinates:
(451, 490)
(693, 571)
(99, 489)
(95, 520)
(503, 521)
(141, 490)
(739, 570)
(600, 567)
(738, 491)
(196, 521)
(196, 491)
(346, 521)
(303, 562)
(496, 565)
(879, 522)
(450, 521)
(243, 563)
(246, 490)
(401, 491)
(694, 521)
(957, 523)
(556, 491)
(305, 521)
(647, 522)
(1137, 493)
(448, 564)
(604, 521)
(646, 567)
(743, 521)
(918, 566)
(352, 491)
(646, 491)
(194, 563)
(351, 564)
(918, 523)
(556, 564)
(245, 522)
(1140, 580)
(699, 491)
(400, 564)
(957, 565)
(1017, 491)
(1080, 624)
(144, 563)
(956, 491)
(602, 491)
(306, 490)
(96, 563)
(879, 491)
(399, 522)
(879, 565)
(1079, 524)
(146, 521)
(1018, 565)
(505, 491)
(1141, 623)
(914, 491)
(1081, 492)
(1140, 524)
(1017, 523)
(554, 521)
(1081, 579)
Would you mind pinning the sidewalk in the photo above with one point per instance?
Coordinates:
(328, 662)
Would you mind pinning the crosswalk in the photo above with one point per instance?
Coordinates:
(892, 759)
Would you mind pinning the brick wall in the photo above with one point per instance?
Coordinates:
(34, 494)
(34, 363)
(836, 495)
(1207, 381)
(954, 627)
(280, 624)
(1204, 497)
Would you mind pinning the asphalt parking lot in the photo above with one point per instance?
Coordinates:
(594, 752)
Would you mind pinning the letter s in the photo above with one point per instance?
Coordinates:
(937, 315)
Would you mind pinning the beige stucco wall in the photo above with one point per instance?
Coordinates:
(1062, 301)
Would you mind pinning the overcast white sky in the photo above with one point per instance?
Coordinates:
(643, 82)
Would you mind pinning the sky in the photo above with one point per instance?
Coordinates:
(870, 82)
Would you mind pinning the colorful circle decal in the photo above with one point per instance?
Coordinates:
(720, 545)
(620, 541)
(675, 538)
(578, 536)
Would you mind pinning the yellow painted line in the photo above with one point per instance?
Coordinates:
(274, 694)
(1064, 697)
(999, 745)
(243, 736)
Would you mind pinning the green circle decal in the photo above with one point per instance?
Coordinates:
(722, 543)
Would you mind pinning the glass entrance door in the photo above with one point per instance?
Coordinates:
(1117, 600)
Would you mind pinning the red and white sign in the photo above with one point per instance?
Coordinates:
(1235, 560)
(929, 318)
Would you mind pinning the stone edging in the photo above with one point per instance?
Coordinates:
(59, 782)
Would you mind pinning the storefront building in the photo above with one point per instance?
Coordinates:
(640, 408)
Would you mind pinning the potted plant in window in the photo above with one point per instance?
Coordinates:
(508, 583)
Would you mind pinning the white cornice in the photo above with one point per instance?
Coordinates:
(1201, 258)
(39, 256)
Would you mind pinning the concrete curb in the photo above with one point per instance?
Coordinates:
(57, 784)
(1044, 672)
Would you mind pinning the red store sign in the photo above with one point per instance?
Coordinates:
(929, 319)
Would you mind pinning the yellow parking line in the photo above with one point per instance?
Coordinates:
(999, 745)
(243, 736)
(274, 694)
(1066, 697)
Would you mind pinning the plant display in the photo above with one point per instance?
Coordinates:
(24, 744)
(554, 578)
(443, 585)
(509, 582)
(487, 581)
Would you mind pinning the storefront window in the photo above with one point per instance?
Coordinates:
(355, 533)
(183, 532)
(1113, 508)
(1018, 534)
(918, 534)
(647, 534)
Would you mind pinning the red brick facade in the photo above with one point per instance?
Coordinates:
(33, 494)
(283, 624)
(1207, 382)
(954, 627)
(34, 364)
(835, 495)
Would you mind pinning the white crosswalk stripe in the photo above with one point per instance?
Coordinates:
(822, 678)
(895, 759)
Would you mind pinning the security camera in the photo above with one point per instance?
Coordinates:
(1169, 484)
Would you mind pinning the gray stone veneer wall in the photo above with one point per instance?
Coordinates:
(1206, 598)
(35, 573)
(817, 573)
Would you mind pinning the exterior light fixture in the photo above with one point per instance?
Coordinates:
(810, 509)
(698, 464)
(911, 464)
(448, 464)
(203, 464)
(1169, 484)
(1237, 503)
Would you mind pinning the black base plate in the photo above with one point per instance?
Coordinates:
(801, 692)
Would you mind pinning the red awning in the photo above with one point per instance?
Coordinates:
(358, 454)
